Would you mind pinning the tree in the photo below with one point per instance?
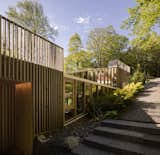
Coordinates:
(78, 60)
(106, 45)
(148, 60)
(75, 44)
(144, 21)
(30, 14)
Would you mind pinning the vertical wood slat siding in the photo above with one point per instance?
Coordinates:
(19, 50)
(43, 51)
(7, 103)
(47, 93)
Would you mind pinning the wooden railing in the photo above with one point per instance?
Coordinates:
(106, 75)
(112, 76)
(80, 94)
(22, 44)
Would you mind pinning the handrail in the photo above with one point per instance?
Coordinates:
(27, 29)
(21, 43)
(88, 81)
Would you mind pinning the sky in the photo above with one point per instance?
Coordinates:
(80, 16)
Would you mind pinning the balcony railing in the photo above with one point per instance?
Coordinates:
(22, 44)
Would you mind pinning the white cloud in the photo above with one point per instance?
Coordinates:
(63, 28)
(60, 28)
(82, 20)
(99, 19)
(56, 27)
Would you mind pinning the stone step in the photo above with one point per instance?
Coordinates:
(151, 120)
(152, 110)
(155, 118)
(119, 147)
(87, 150)
(149, 128)
(153, 114)
(131, 136)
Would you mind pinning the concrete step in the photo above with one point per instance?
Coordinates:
(155, 118)
(87, 150)
(119, 147)
(149, 128)
(131, 136)
(152, 110)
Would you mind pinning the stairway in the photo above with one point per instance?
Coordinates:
(116, 137)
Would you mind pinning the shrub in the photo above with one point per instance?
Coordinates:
(111, 114)
(138, 76)
(129, 91)
(71, 142)
(105, 107)
(109, 106)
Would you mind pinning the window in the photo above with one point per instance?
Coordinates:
(80, 97)
(88, 97)
(69, 102)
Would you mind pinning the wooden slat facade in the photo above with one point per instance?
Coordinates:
(47, 95)
(28, 57)
(7, 115)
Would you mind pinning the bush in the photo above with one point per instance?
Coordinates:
(102, 105)
(138, 76)
(129, 91)
(71, 142)
(111, 114)
(109, 106)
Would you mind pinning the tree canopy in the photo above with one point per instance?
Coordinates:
(78, 58)
(144, 22)
(105, 44)
(30, 14)
(75, 43)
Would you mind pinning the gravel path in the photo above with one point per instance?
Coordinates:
(146, 107)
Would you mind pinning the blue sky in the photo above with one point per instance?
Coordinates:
(71, 16)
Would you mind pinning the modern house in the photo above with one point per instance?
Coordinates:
(36, 97)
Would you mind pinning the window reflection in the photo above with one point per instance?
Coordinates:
(80, 97)
(69, 103)
(88, 97)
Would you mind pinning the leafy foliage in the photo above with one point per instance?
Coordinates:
(138, 76)
(75, 44)
(109, 106)
(148, 60)
(144, 17)
(128, 92)
(78, 60)
(144, 23)
(30, 14)
(106, 45)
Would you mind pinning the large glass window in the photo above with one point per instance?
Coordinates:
(87, 97)
(80, 97)
(94, 91)
(69, 102)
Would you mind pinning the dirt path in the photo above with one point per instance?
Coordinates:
(146, 107)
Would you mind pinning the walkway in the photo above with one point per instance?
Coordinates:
(146, 107)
